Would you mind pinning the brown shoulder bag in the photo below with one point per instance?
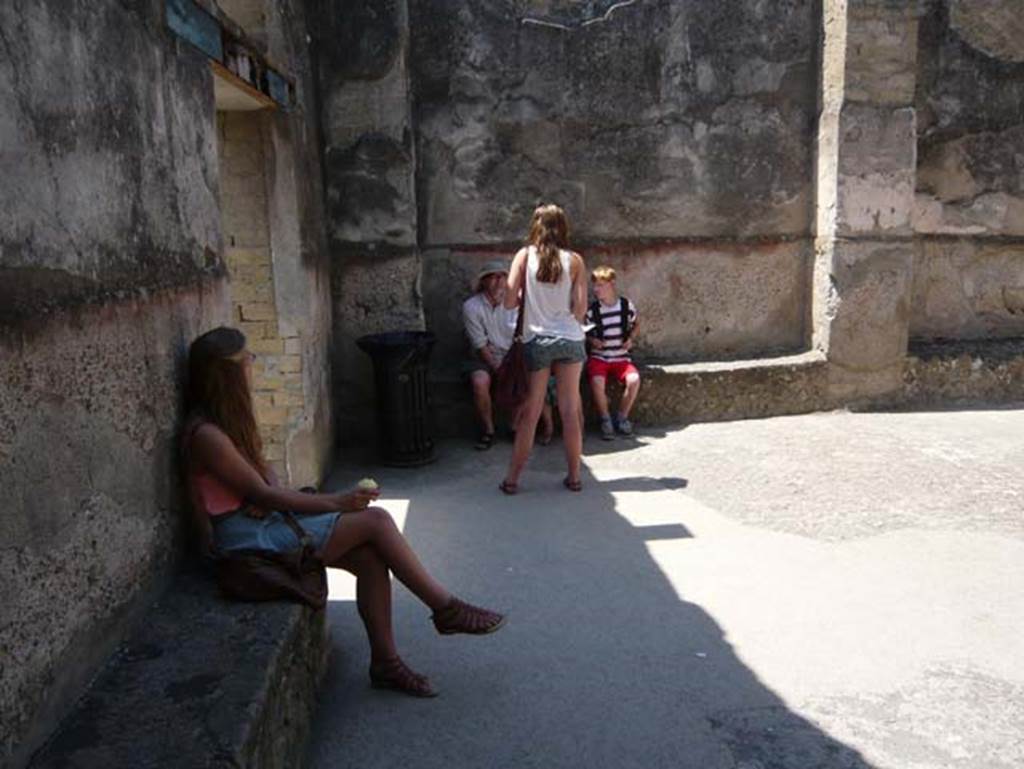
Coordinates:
(512, 380)
(266, 575)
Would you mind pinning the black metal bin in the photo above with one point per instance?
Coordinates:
(400, 363)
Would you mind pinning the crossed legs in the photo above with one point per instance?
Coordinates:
(375, 529)
(369, 544)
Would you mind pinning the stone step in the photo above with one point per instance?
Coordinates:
(964, 372)
(203, 682)
(674, 393)
(936, 373)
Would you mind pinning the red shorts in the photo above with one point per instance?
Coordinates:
(617, 369)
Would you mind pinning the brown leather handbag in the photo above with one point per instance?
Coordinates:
(266, 575)
(512, 380)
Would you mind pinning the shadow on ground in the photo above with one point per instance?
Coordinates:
(602, 664)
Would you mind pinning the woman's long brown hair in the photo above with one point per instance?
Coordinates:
(549, 232)
(219, 391)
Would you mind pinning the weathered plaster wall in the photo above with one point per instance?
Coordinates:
(302, 267)
(109, 266)
(658, 120)
(698, 148)
(969, 269)
(369, 166)
(968, 289)
(98, 100)
(92, 520)
(717, 301)
(679, 136)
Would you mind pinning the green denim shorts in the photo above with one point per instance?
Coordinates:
(542, 351)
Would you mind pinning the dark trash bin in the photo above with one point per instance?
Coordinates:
(400, 360)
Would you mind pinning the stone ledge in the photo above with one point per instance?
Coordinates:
(203, 682)
(958, 372)
(744, 389)
(672, 393)
(964, 371)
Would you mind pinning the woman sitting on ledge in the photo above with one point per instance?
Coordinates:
(234, 489)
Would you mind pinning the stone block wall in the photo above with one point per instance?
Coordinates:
(969, 202)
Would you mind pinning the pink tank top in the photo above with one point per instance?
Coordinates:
(207, 492)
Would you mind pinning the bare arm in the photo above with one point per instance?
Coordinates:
(515, 280)
(578, 302)
(216, 452)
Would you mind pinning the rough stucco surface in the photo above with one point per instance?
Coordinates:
(298, 243)
(744, 390)
(695, 302)
(963, 373)
(98, 100)
(88, 421)
(966, 289)
(970, 123)
(109, 241)
(372, 294)
(366, 124)
(651, 122)
(660, 119)
(970, 173)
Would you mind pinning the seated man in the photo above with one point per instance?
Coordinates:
(490, 328)
(612, 320)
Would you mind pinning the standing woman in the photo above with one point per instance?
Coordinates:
(556, 301)
(235, 498)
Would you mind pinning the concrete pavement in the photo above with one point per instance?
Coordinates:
(831, 590)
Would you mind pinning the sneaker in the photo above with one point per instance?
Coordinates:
(624, 426)
(607, 430)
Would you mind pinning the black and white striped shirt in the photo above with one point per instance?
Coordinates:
(607, 321)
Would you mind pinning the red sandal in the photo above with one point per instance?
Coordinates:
(461, 617)
(394, 674)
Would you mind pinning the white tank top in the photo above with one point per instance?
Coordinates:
(547, 304)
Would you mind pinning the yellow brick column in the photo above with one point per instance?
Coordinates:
(278, 395)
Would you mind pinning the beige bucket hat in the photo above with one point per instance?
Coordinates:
(489, 268)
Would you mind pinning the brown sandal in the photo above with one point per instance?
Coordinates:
(461, 617)
(394, 674)
(572, 485)
(507, 487)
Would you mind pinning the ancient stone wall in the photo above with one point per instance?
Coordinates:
(302, 269)
(110, 264)
(369, 167)
(678, 136)
(767, 178)
(969, 212)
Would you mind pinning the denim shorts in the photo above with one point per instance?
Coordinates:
(542, 351)
(238, 531)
